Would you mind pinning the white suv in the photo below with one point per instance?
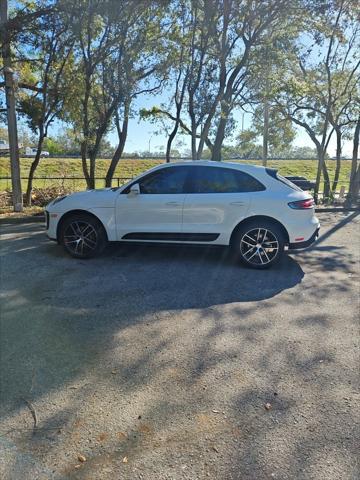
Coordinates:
(252, 209)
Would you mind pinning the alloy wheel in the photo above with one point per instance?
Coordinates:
(80, 238)
(259, 246)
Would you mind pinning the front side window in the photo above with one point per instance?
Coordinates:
(223, 180)
(165, 181)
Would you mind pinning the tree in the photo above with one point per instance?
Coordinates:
(316, 95)
(89, 107)
(218, 37)
(10, 107)
(244, 27)
(141, 67)
(42, 99)
(116, 52)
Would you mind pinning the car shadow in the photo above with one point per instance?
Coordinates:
(197, 277)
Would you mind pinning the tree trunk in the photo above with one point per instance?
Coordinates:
(338, 160)
(322, 169)
(118, 152)
(84, 164)
(354, 184)
(318, 176)
(33, 168)
(220, 133)
(193, 139)
(200, 148)
(92, 158)
(327, 187)
(170, 140)
(265, 133)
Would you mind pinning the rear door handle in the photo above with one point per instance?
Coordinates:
(174, 204)
(237, 203)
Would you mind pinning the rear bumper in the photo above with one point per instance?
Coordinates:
(306, 243)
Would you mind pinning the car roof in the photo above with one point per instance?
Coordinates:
(213, 163)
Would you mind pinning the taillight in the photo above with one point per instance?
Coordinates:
(302, 204)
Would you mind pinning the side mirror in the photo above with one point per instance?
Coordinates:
(135, 189)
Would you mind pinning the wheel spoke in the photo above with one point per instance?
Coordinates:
(251, 256)
(252, 239)
(73, 229)
(88, 245)
(266, 255)
(258, 252)
(86, 228)
(247, 243)
(87, 237)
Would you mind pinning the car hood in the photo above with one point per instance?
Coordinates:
(100, 198)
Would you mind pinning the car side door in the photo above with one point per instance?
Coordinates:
(218, 199)
(155, 213)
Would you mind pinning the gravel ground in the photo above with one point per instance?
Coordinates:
(174, 363)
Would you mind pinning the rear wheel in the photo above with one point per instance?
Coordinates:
(259, 244)
(83, 236)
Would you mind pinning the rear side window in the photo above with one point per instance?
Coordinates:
(274, 174)
(222, 180)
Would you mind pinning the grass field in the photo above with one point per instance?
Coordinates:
(55, 167)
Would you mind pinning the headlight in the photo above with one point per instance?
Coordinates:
(59, 199)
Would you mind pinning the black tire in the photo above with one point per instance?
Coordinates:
(83, 236)
(248, 242)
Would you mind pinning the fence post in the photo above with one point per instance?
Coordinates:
(118, 182)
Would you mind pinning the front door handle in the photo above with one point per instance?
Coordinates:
(174, 204)
(237, 203)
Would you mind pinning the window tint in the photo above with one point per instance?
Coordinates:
(167, 180)
(223, 180)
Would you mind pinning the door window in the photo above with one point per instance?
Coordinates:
(171, 180)
(223, 180)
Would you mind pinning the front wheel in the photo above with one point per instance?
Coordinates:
(83, 236)
(259, 244)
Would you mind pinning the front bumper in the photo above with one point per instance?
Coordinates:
(306, 243)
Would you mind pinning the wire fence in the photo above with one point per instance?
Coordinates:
(67, 183)
(77, 183)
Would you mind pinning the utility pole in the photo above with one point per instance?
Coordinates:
(10, 107)
(265, 146)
